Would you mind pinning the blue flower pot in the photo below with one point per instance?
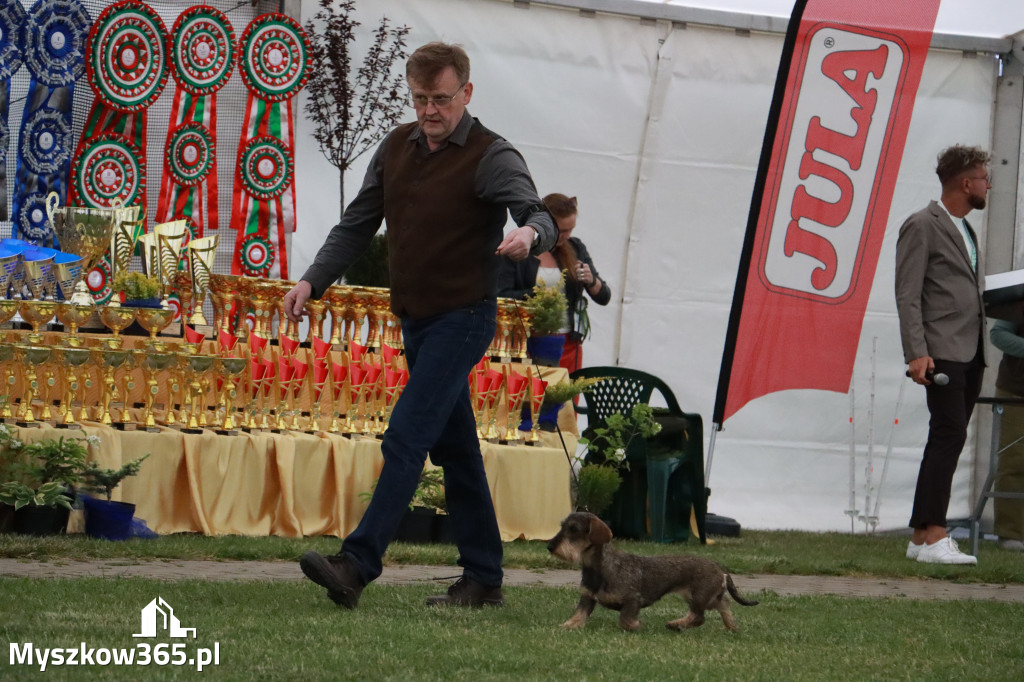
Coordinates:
(108, 520)
(546, 350)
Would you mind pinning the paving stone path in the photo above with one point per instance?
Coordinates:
(786, 585)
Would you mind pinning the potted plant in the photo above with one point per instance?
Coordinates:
(547, 307)
(606, 456)
(41, 477)
(557, 394)
(426, 519)
(105, 518)
(137, 290)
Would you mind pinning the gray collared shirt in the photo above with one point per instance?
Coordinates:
(502, 178)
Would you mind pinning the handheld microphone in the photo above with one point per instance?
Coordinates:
(939, 379)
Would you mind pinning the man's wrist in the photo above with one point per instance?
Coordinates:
(536, 233)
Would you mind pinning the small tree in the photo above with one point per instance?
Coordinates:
(100, 480)
(351, 118)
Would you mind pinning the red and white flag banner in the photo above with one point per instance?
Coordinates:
(834, 142)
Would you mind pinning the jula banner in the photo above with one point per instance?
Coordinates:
(833, 143)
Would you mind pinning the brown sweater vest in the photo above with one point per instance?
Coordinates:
(441, 236)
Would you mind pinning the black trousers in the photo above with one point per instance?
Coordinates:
(950, 407)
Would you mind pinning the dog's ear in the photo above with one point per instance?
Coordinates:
(600, 533)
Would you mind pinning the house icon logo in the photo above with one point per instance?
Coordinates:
(158, 614)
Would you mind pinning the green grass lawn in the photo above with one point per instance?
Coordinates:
(775, 552)
(290, 631)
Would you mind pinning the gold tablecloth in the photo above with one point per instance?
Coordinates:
(296, 484)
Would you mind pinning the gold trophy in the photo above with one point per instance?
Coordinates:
(232, 369)
(285, 326)
(169, 239)
(116, 320)
(73, 316)
(222, 295)
(337, 303)
(317, 314)
(198, 367)
(9, 265)
(516, 388)
(37, 274)
(154, 321)
(84, 232)
(8, 307)
(73, 359)
(261, 298)
(126, 234)
(201, 253)
(127, 386)
(37, 313)
(33, 357)
(110, 360)
(7, 358)
(68, 270)
(151, 364)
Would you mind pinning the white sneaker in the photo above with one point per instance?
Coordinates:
(944, 551)
(913, 551)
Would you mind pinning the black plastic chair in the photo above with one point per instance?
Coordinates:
(665, 479)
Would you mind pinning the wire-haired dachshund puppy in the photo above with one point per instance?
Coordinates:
(627, 583)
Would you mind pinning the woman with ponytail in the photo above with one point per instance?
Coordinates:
(568, 255)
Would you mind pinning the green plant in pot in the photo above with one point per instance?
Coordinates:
(547, 307)
(105, 518)
(39, 479)
(599, 476)
(427, 517)
(137, 290)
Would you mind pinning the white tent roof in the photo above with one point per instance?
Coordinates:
(990, 18)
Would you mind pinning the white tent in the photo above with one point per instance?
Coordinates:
(653, 116)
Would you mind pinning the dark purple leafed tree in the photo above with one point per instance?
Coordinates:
(351, 117)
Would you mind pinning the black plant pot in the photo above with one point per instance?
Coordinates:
(443, 530)
(33, 520)
(6, 518)
(417, 526)
(106, 519)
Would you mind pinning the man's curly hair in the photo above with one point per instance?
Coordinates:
(958, 159)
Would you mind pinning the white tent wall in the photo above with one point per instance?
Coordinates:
(657, 127)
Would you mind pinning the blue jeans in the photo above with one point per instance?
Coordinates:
(434, 414)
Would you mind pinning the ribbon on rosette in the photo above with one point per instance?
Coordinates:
(274, 54)
(12, 55)
(53, 34)
(202, 57)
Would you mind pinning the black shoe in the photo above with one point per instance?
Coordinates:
(468, 592)
(337, 573)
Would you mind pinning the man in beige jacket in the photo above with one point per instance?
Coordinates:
(939, 284)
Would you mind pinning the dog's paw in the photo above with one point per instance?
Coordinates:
(573, 624)
(631, 625)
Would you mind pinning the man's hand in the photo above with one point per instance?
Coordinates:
(295, 300)
(919, 367)
(517, 243)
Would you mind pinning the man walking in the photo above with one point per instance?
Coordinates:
(939, 285)
(444, 184)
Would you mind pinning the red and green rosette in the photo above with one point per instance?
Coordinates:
(203, 54)
(274, 61)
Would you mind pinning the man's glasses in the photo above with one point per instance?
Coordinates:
(439, 101)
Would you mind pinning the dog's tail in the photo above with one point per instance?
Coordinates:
(735, 593)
